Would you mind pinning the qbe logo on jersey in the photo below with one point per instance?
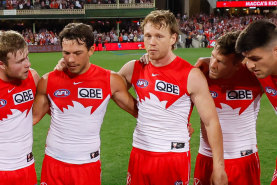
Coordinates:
(23, 97)
(167, 87)
(90, 93)
(239, 95)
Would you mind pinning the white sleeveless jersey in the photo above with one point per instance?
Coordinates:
(237, 103)
(78, 106)
(164, 106)
(16, 124)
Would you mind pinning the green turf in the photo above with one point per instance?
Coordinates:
(118, 126)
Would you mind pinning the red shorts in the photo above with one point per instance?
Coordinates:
(163, 168)
(55, 172)
(245, 170)
(24, 176)
(274, 178)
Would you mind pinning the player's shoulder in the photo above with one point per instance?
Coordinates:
(33, 72)
(182, 64)
(131, 63)
(196, 77)
(45, 76)
(35, 75)
(128, 67)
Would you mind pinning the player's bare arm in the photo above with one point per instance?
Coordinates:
(35, 75)
(200, 95)
(127, 72)
(121, 96)
(41, 103)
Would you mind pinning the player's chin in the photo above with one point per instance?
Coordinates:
(259, 75)
(23, 77)
(74, 70)
(213, 76)
(154, 57)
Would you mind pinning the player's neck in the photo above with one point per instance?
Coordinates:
(4, 77)
(164, 61)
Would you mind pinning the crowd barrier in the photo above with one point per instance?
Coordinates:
(99, 47)
(44, 48)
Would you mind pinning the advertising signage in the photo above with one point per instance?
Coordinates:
(230, 4)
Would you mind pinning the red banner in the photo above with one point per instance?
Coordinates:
(120, 46)
(229, 4)
(108, 46)
(211, 44)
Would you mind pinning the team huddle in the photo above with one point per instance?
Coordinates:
(242, 66)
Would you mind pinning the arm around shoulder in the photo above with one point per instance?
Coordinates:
(41, 103)
(127, 72)
(201, 97)
(121, 96)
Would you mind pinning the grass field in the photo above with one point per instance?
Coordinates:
(118, 126)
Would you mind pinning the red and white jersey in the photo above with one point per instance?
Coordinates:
(270, 88)
(78, 106)
(164, 106)
(16, 124)
(237, 103)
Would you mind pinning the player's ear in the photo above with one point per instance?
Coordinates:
(173, 39)
(2, 65)
(91, 50)
(275, 51)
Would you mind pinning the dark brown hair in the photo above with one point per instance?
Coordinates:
(257, 34)
(80, 32)
(226, 45)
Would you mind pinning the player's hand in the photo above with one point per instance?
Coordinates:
(219, 177)
(61, 65)
(190, 129)
(144, 59)
(203, 64)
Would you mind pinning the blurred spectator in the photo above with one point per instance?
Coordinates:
(197, 31)
(44, 37)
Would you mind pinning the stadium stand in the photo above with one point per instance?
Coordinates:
(60, 4)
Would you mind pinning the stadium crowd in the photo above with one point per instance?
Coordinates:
(46, 37)
(201, 29)
(209, 27)
(58, 4)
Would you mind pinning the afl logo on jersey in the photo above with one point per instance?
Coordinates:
(142, 83)
(3, 103)
(178, 183)
(214, 94)
(60, 93)
(23, 97)
(270, 91)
